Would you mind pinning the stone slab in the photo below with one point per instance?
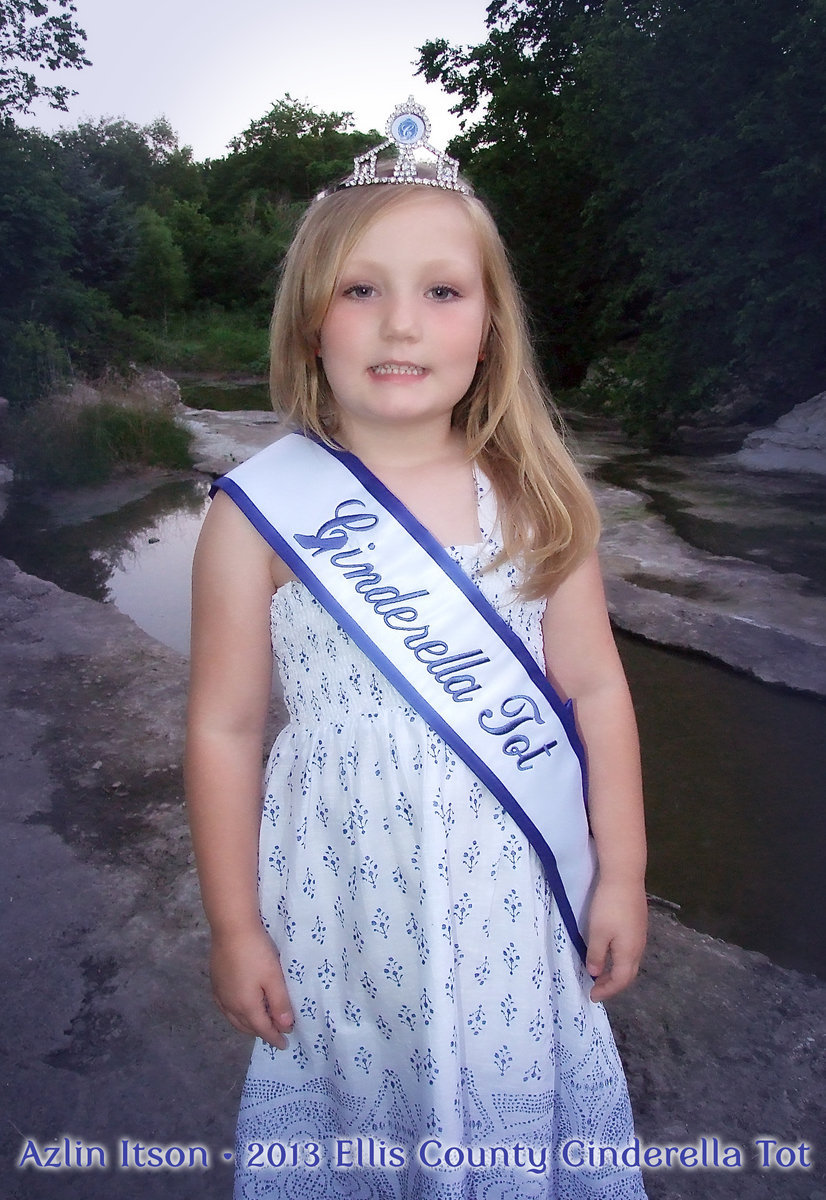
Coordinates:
(796, 442)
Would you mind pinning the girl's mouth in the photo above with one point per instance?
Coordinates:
(397, 369)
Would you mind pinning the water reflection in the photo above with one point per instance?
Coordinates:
(776, 519)
(225, 396)
(151, 578)
(137, 554)
(734, 776)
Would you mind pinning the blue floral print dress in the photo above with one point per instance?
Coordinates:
(444, 1047)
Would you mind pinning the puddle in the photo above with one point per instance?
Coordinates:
(225, 396)
(115, 546)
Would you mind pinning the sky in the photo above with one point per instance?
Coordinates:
(213, 66)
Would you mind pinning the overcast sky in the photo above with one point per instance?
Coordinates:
(213, 66)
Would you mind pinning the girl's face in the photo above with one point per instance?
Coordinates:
(404, 330)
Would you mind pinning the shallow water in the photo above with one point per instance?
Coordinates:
(734, 769)
(137, 555)
(734, 773)
(223, 396)
(777, 519)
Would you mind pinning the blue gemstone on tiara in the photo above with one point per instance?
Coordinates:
(408, 129)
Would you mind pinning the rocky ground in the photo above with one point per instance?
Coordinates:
(796, 442)
(108, 1028)
(222, 439)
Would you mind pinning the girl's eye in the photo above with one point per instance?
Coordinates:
(359, 291)
(443, 292)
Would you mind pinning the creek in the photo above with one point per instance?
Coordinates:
(734, 769)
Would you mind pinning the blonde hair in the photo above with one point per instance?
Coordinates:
(547, 515)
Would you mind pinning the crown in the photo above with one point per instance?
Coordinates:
(408, 129)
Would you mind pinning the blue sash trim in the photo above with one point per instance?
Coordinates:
(563, 710)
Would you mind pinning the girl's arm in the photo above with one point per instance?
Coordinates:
(582, 662)
(231, 677)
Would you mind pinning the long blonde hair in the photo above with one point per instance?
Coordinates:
(547, 515)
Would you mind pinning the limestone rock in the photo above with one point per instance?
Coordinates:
(145, 389)
(797, 442)
(221, 440)
(154, 389)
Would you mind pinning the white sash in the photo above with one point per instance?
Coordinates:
(426, 626)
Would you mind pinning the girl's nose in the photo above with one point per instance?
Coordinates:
(399, 319)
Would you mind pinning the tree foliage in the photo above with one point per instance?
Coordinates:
(110, 228)
(288, 154)
(35, 34)
(157, 279)
(36, 236)
(659, 170)
(139, 160)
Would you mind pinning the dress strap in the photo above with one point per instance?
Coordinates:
(486, 507)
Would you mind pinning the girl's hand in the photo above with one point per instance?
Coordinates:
(248, 985)
(616, 936)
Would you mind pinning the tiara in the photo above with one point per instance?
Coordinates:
(408, 129)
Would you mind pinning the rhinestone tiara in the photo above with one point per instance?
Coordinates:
(408, 129)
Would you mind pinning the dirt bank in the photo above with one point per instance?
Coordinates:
(108, 1028)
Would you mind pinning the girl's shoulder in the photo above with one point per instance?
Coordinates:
(231, 552)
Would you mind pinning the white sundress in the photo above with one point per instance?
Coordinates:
(444, 1046)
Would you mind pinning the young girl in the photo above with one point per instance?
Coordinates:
(403, 924)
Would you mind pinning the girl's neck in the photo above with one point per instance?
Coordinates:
(427, 469)
(397, 448)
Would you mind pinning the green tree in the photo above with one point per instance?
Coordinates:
(255, 195)
(677, 147)
(143, 161)
(157, 281)
(113, 221)
(67, 242)
(104, 224)
(36, 236)
(288, 154)
(537, 180)
(35, 217)
(712, 160)
(37, 34)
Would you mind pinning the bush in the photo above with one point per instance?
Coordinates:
(67, 445)
(32, 362)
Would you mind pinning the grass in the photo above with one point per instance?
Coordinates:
(214, 340)
(64, 445)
